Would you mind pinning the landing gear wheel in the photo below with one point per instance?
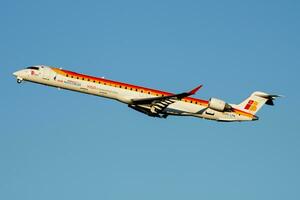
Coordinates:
(19, 80)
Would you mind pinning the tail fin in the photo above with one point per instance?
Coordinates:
(255, 102)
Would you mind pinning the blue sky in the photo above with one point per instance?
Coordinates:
(64, 145)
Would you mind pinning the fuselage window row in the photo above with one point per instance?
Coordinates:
(126, 88)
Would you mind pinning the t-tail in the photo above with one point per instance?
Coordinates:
(255, 102)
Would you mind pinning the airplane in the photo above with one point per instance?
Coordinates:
(154, 103)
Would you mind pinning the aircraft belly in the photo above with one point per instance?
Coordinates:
(183, 108)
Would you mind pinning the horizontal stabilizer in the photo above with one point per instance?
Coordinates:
(270, 98)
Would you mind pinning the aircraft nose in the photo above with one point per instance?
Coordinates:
(16, 74)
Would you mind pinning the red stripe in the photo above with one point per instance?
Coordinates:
(92, 78)
(200, 101)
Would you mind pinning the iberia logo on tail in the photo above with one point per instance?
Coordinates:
(251, 105)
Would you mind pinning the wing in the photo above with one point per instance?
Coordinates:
(144, 101)
(156, 105)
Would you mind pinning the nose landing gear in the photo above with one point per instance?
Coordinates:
(19, 80)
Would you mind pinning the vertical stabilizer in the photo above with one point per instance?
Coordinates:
(255, 102)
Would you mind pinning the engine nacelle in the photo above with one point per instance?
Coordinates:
(219, 105)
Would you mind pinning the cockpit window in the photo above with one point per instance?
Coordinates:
(36, 68)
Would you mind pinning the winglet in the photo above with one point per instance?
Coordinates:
(194, 91)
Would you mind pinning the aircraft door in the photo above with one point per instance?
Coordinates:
(46, 74)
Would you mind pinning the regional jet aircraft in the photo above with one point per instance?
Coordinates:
(154, 103)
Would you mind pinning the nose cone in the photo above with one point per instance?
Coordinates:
(16, 74)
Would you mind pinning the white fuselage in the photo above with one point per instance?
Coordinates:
(186, 107)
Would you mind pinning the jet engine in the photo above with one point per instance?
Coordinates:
(219, 105)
